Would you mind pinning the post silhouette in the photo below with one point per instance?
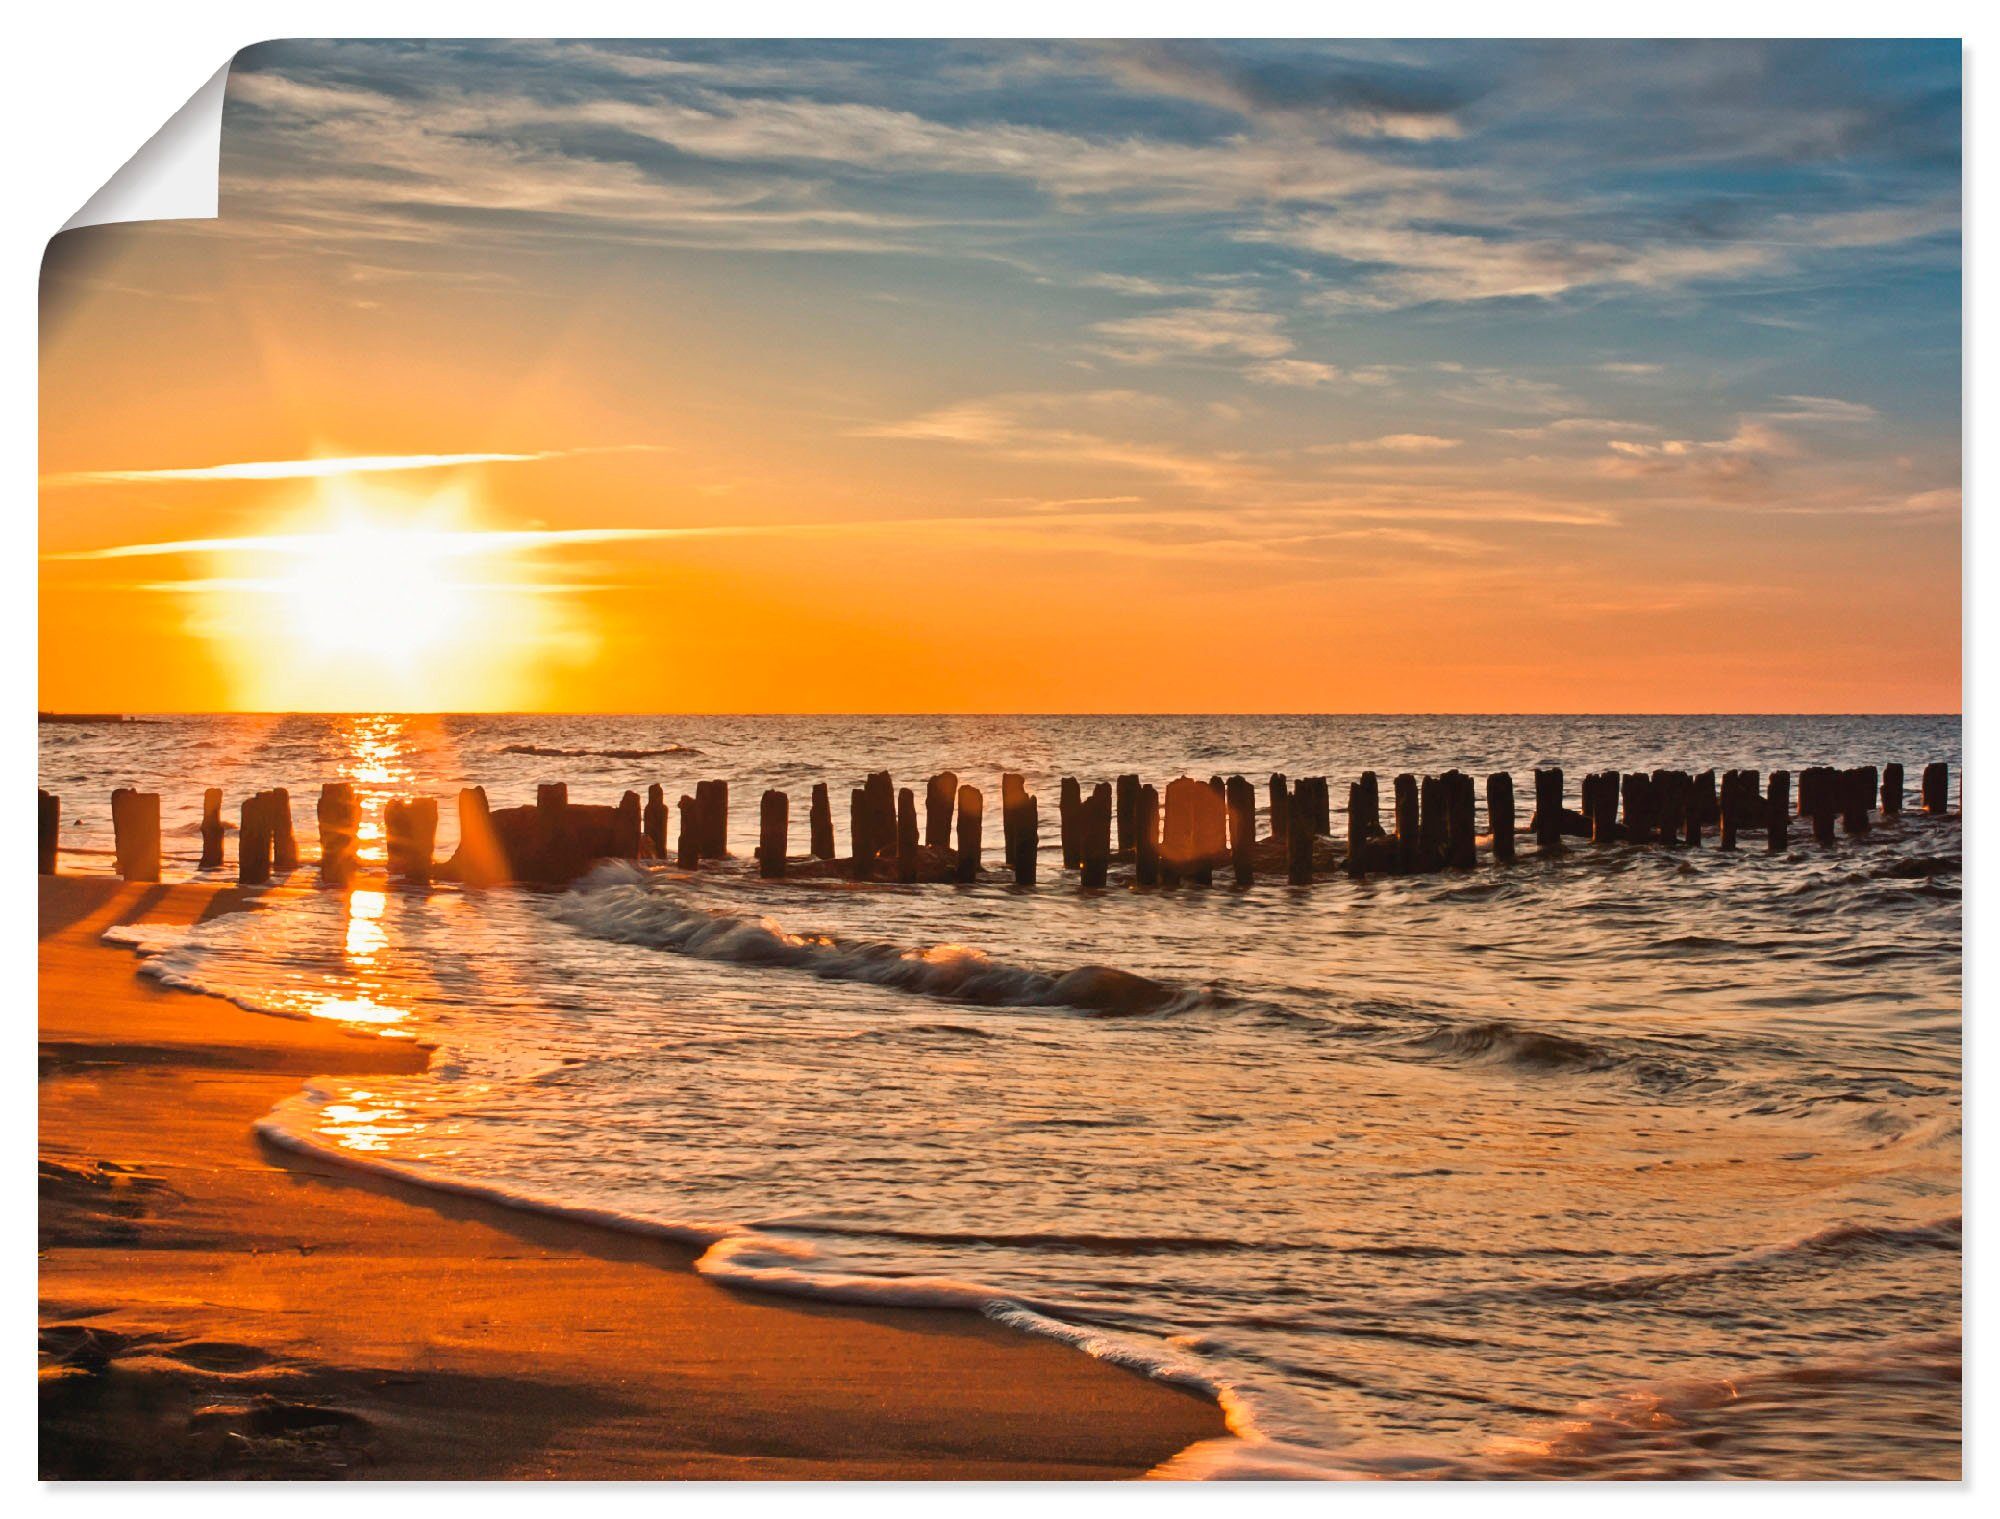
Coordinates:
(1094, 826)
(773, 834)
(656, 819)
(1299, 840)
(1242, 800)
(971, 824)
(1500, 815)
(1146, 838)
(1548, 810)
(687, 850)
(819, 822)
(48, 830)
(211, 829)
(1892, 790)
(939, 795)
(906, 836)
(1128, 812)
(1069, 802)
(1937, 787)
(135, 828)
(1408, 822)
(253, 841)
(1777, 811)
(860, 833)
(339, 833)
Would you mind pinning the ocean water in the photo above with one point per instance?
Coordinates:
(1624, 1164)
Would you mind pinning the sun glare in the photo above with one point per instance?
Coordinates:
(376, 590)
(375, 601)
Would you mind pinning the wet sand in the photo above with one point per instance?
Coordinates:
(211, 1306)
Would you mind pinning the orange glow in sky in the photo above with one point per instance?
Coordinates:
(1107, 427)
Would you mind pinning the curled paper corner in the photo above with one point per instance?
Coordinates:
(175, 176)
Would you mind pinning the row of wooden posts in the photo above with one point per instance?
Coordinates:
(1182, 833)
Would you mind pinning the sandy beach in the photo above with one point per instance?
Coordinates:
(210, 1306)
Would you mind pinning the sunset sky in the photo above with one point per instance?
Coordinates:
(1025, 377)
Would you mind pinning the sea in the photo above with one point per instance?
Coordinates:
(1624, 1162)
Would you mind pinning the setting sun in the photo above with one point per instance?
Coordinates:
(371, 589)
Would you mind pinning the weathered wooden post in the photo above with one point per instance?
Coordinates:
(552, 799)
(1371, 806)
(1892, 790)
(1146, 840)
(628, 831)
(1322, 807)
(939, 795)
(284, 840)
(713, 798)
(1177, 826)
(861, 833)
(1670, 799)
(1462, 846)
(1731, 810)
(135, 828)
(339, 833)
(774, 834)
(971, 824)
(1692, 811)
(1937, 787)
(1603, 807)
(253, 841)
(1013, 801)
(1281, 807)
(1778, 811)
(1856, 789)
(1128, 812)
(687, 851)
(1640, 807)
(1408, 821)
(1499, 815)
(1028, 846)
(881, 790)
(1433, 827)
(1094, 824)
(1299, 840)
(1242, 803)
(819, 822)
(481, 861)
(656, 819)
(48, 830)
(409, 832)
(1068, 804)
(1825, 802)
(906, 836)
(1211, 829)
(1548, 810)
(211, 829)
(1705, 807)
(1357, 835)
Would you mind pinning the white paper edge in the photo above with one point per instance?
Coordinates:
(175, 176)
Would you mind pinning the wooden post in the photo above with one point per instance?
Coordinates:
(1094, 824)
(881, 790)
(1640, 819)
(1146, 840)
(135, 827)
(1548, 810)
(1281, 807)
(1433, 828)
(1013, 800)
(656, 819)
(1460, 816)
(1603, 807)
(819, 822)
(1182, 833)
(713, 797)
(1705, 807)
(1825, 803)
(1937, 787)
(861, 833)
(1028, 846)
(552, 800)
(1067, 807)
(1210, 807)
(211, 829)
(1731, 810)
(1892, 790)
(629, 834)
(1242, 802)
(48, 830)
(1856, 794)
(938, 797)
(687, 847)
(253, 841)
(1778, 811)
(1371, 806)
(409, 828)
(1408, 821)
(1692, 816)
(1357, 836)
(1322, 807)
(773, 834)
(1299, 840)
(971, 824)
(1500, 815)
(339, 832)
(906, 836)
(481, 861)
(1128, 812)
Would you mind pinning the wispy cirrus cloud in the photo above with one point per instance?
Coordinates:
(321, 468)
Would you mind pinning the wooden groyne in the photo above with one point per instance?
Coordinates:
(1178, 834)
